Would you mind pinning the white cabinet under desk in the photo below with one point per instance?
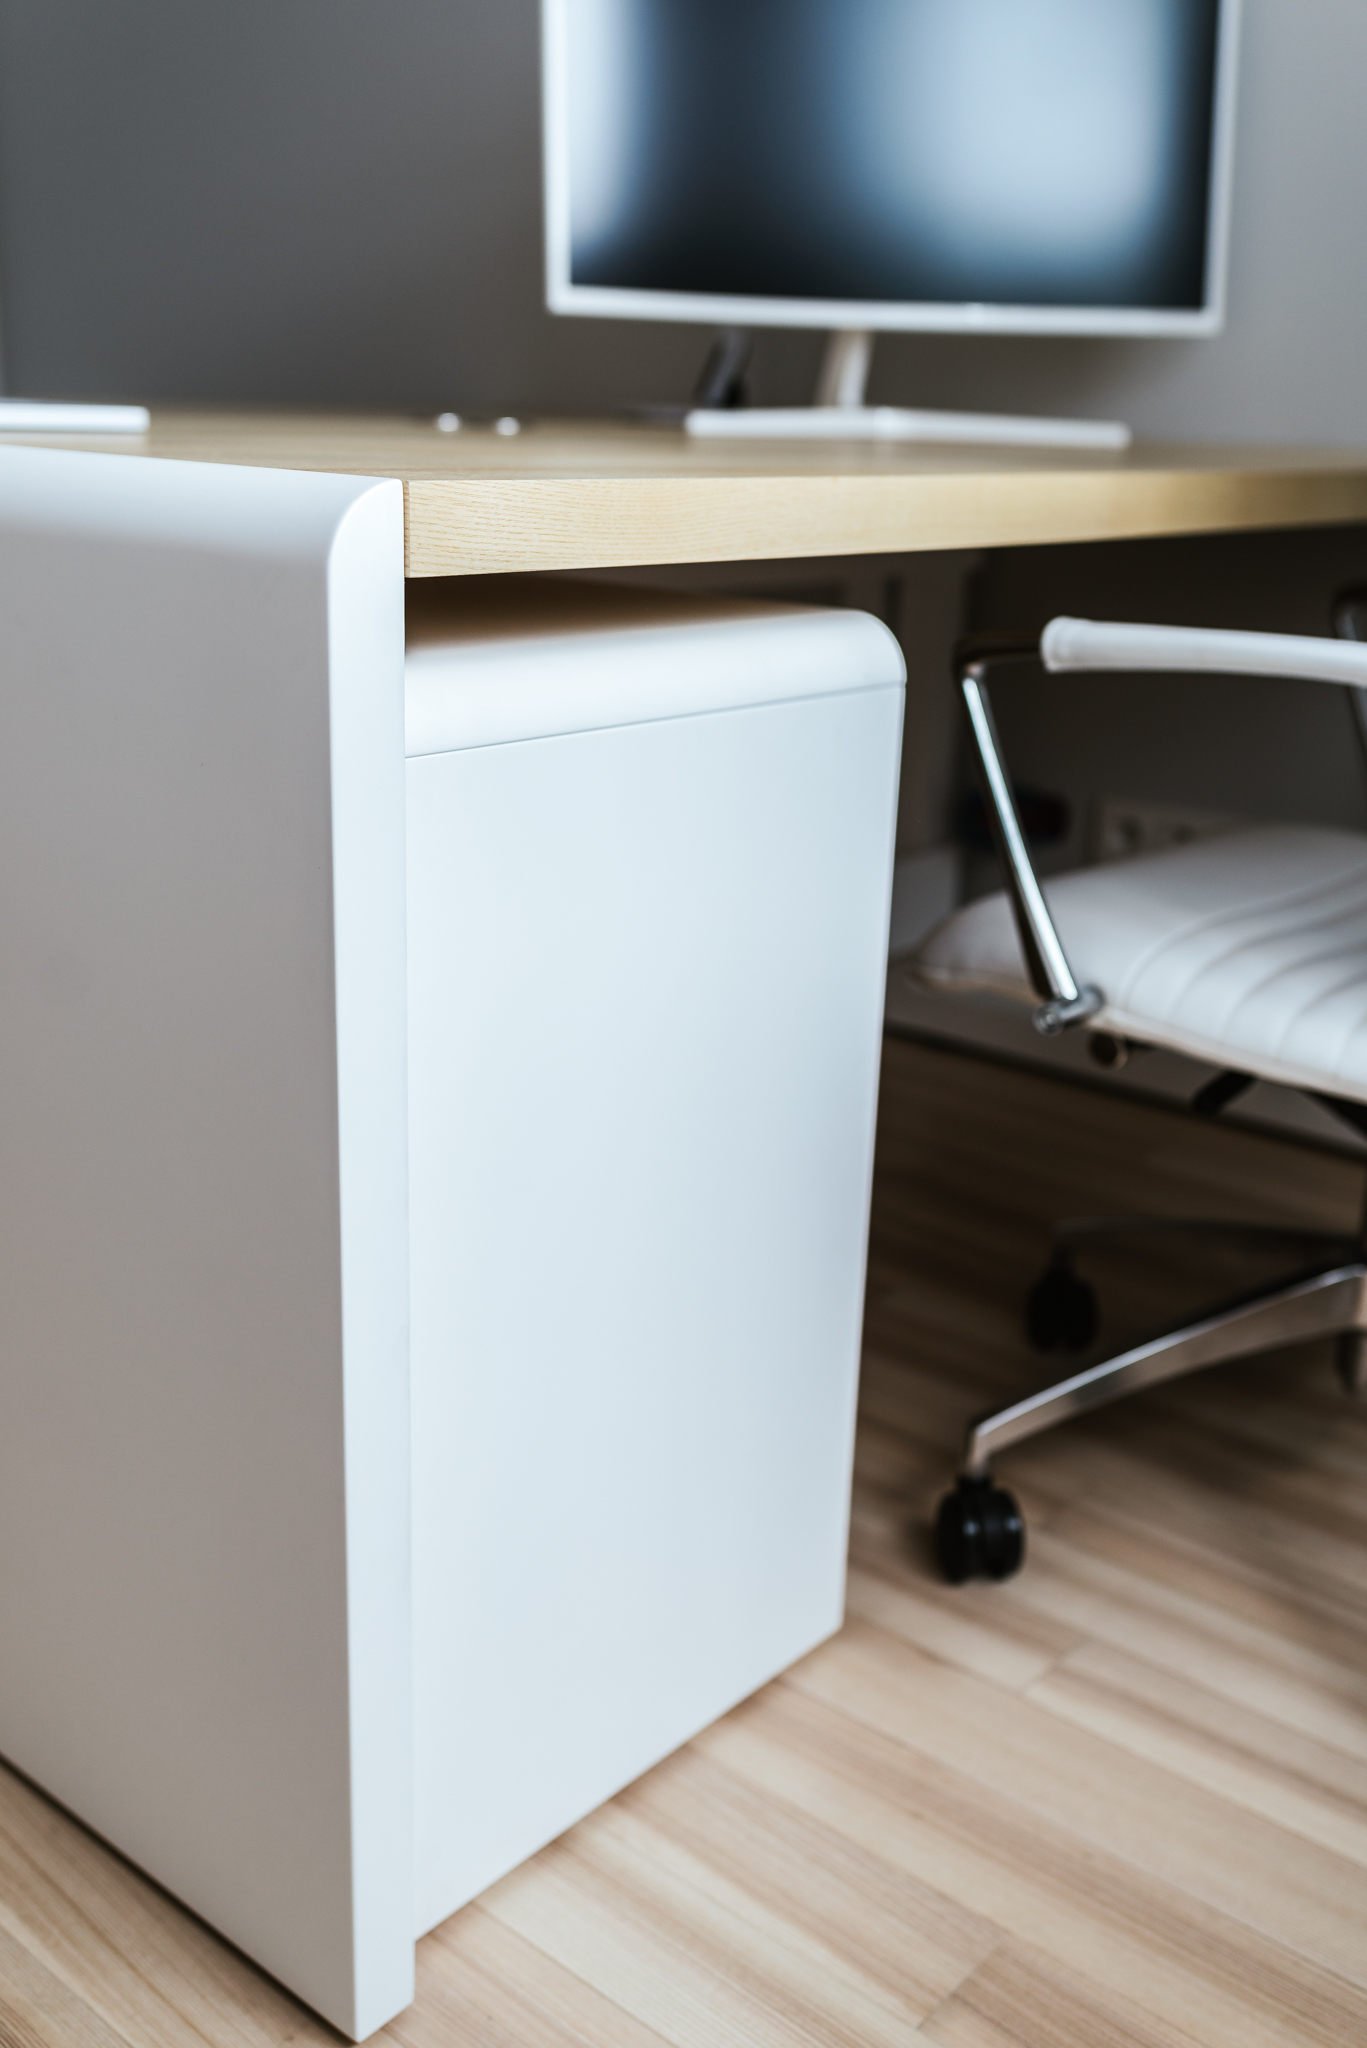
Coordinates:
(323, 1631)
(638, 1196)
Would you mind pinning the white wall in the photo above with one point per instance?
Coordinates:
(337, 201)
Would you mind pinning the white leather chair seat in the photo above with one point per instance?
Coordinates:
(1249, 950)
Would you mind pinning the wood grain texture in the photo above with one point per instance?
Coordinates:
(586, 495)
(1120, 1802)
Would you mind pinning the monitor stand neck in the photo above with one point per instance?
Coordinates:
(844, 373)
(840, 414)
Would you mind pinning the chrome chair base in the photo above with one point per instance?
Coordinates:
(979, 1530)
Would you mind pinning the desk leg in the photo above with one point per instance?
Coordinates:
(204, 1463)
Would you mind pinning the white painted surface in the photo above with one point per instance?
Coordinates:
(639, 1206)
(539, 658)
(639, 1209)
(204, 1453)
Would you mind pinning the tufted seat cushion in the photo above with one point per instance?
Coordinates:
(1249, 950)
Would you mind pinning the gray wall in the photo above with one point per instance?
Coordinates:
(308, 201)
(337, 201)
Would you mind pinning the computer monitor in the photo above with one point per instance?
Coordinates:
(949, 166)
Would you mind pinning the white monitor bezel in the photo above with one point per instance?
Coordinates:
(611, 302)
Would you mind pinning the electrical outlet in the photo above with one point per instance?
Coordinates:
(1123, 826)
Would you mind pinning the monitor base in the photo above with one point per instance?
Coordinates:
(840, 414)
(896, 423)
(43, 416)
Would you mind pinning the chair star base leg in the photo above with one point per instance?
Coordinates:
(979, 1532)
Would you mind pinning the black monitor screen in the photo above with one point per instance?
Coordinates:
(1007, 152)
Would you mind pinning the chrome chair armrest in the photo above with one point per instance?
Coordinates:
(1064, 1002)
(1086, 644)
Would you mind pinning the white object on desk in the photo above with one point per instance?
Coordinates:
(649, 860)
(38, 416)
(896, 423)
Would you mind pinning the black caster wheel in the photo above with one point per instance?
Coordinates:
(1061, 1310)
(979, 1533)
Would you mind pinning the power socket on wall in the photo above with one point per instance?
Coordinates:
(1122, 826)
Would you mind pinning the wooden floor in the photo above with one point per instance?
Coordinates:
(1122, 1800)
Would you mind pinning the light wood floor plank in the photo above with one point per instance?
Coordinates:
(1289, 1678)
(831, 1893)
(963, 1632)
(1271, 1770)
(669, 1952)
(1273, 1597)
(480, 1985)
(1197, 1970)
(1230, 1859)
(154, 1974)
(1021, 1999)
(39, 2010)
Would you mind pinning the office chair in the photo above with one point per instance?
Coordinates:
(1248, 950)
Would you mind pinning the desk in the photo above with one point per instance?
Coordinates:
(578, 495)
(202, 918)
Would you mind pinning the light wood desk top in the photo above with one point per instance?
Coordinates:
(589, 495)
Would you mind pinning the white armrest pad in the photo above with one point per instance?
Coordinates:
(1088, 644)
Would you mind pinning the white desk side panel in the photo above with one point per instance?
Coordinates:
(646, 977)
(204, 1512)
